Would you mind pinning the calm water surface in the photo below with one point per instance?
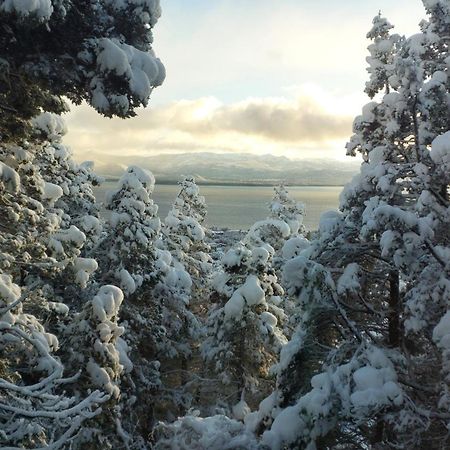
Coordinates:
(239, 207)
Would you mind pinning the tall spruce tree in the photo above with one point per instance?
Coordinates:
(367, 364)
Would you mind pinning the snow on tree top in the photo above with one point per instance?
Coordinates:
(135, 177)
(41, 9)
(150, 9)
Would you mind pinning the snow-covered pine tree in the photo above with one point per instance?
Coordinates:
(243, 327)
(374, 285)
(285, 208)
(282, 235)
(133, 225)
(381, 60)
(97, 351)
(36, 409)
(184, 234)
(157, 288)
(283, 226)
(190, 202)
(99, 52)
(77, 181)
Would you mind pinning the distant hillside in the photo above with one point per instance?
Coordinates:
(235, 168)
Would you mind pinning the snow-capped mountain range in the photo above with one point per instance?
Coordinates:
(233, 168)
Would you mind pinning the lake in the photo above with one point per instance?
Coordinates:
(239, 207)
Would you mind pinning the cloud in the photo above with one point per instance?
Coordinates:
(300, 121)
(295, 125)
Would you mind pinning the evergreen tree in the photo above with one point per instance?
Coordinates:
(99, 52)
(373, 284)
(184, 235)
(285, 222)
(243, 328)
(94, 51)
(35, 407)
(157, 292)
(283, 207)
(98, 353)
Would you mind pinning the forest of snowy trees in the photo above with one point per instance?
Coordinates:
(123, 330)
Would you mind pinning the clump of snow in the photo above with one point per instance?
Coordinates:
(9, 293)
(83, 268)
(127, 282)
(52, 192)
(292, 347)
(106, 303)
(41, 9)
(440, 151)
(260, 256)
(52, 126)
(249, 293)
(71, 235)
(234, 306)
(441, 332)
(368, 112)
(194, 229)
(241, 409)
(269, 321)
(210, 433)
(235, 257)
(123, 349)
(349, 280)
(375, 387)
(100, 377)
(294, 246)
(10, 178)
(58, 308)
(285, 428)
(141, 70)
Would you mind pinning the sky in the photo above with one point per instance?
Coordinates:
(284, 77)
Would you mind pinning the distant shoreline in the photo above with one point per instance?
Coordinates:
(231, 183)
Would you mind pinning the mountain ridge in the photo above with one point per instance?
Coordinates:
(232, 168)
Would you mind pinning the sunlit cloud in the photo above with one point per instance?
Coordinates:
(299, 121)
(302, 126)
